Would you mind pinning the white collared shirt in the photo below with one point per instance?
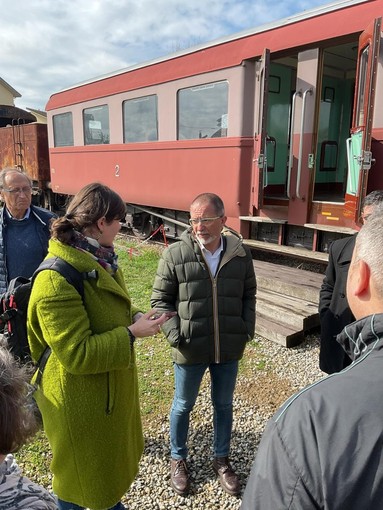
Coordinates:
(213, 259)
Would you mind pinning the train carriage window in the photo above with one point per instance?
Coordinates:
(202, 111)
(63, 129)
(140, 119)
(96, 125)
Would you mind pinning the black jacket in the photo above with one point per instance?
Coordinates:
(323, 449)
(334, 311)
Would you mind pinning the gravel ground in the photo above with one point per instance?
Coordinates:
(270, 374)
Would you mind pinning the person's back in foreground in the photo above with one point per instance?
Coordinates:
(17, 425)
(323, 449)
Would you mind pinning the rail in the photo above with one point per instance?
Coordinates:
(299, 172)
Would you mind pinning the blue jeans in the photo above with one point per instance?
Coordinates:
(187, 383)
(64, 505)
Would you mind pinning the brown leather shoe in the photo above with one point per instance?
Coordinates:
(227, 477)
(179, 478)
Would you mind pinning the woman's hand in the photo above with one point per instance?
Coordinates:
(149, 324)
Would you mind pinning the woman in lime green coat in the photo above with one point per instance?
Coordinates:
(88, 394)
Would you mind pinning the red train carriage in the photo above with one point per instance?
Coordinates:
(284, 122)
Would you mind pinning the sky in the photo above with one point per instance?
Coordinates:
(48, 45)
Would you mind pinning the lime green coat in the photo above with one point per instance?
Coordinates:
(88, 396)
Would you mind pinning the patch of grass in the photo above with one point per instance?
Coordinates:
(252, 360)
(139, 263)
(34, 459)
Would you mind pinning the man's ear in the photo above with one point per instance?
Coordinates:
(362, 278)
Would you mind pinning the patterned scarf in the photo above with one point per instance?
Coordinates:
(104, 255)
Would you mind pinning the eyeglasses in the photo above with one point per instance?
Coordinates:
(203, 221)
(16, 191)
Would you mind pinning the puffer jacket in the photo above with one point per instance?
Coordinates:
(18, 492)
(43, 218)
(323, 449)
(215, 314)
(88, 394)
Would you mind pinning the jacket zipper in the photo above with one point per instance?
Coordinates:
(216, 322)
(222, 262)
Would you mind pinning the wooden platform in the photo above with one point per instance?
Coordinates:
(287, 302)
(290, 251)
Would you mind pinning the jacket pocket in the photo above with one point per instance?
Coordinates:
(111, 391)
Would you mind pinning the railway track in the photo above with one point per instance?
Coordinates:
(287, 292)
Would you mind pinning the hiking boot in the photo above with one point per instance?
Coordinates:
(227, 477)
(179, 478)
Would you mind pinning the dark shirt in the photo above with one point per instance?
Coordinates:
(24, 248)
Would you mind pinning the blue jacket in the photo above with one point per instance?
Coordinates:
(43, 218)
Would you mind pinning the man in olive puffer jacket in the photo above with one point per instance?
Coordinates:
(208, 279)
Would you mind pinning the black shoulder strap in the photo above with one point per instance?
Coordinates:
(72, 276)
(69, 272)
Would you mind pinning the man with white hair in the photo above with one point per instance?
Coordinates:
(24, 228)
(324, 447)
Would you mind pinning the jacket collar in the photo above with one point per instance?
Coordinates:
(33, 210)
(362, 336)
(232, 243)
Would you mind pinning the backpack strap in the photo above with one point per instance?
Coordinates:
(69, 272)
(41, 365)
(72, 276)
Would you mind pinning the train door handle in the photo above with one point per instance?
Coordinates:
(310, 162)
(299, 173)
(290, 163)
(264, 164)
(349, 165)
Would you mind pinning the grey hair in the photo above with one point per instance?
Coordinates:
(9, 170)
(369, 246)
(212, 199)
(374, 198)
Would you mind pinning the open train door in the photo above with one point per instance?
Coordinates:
(359, 144)
(259, 174)
(302, 138)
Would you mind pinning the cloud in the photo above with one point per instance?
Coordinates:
(49, 45)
